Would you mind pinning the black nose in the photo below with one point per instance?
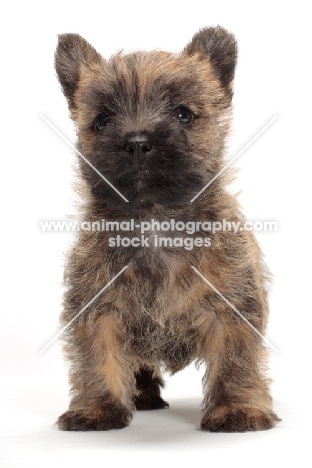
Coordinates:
(138, 146)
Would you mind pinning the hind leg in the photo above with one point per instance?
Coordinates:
(149, 386)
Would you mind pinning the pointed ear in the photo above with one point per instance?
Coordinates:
(219, 47)
(72, 53)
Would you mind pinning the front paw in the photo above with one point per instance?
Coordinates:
(238, 420)
(112, 416)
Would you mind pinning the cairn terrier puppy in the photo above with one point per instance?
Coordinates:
(154, 125)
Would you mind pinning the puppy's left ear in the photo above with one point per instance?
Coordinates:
(220, 48)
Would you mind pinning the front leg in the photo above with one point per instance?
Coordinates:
(102, 377)
(237, 394)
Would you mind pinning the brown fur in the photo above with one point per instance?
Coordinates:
(159, 313)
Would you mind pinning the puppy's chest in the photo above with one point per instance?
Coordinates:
(153, 276)
(158, 324)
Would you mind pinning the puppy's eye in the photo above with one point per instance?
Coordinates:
(101, 121)
(183, 114)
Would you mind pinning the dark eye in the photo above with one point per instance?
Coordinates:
(101, 121)
(183, 114)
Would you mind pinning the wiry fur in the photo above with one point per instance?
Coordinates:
(159, 313)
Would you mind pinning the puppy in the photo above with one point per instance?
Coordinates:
(151, 130)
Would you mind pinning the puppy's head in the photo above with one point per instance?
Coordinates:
(152, 123)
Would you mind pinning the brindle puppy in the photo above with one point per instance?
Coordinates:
(154, 125)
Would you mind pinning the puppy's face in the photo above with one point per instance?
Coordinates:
(152, 123)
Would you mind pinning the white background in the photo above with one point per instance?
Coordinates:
(273, 78)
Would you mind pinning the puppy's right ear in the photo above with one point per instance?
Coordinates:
(73, 53)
